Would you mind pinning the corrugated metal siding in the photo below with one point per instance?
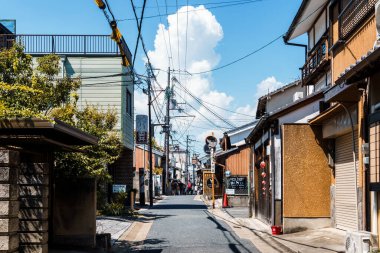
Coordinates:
(345, 202)
(104, 92)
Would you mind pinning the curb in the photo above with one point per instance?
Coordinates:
(267, 238)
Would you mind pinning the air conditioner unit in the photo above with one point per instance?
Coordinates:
(297, 95)
(358, 241)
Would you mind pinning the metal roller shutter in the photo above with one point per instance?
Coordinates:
(345, 202)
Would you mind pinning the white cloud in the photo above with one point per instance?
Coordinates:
(203, 35)
(141, 103)
(268, 85)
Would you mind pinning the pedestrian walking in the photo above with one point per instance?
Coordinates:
(189, 188)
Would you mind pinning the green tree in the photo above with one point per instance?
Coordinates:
(36, 91)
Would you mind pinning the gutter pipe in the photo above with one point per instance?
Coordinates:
(296, 45)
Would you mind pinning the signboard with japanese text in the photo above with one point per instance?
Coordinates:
(237, 183)
(116, 188)
(141, 129)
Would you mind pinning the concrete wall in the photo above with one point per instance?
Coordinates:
(283, 98)
(306, 177)
(238, 201)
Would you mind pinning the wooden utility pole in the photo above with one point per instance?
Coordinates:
(167, 134)
(150, 141)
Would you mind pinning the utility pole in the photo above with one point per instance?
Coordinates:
(167, 134)
(188, 140)
(150, 140)
(187, 160)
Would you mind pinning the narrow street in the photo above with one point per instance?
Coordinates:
(182, 224)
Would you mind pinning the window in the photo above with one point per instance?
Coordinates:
(374, 144)
(129, 103)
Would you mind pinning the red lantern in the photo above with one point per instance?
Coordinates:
(264, 188)
(263, 174)
(263, 182)
(262, 165)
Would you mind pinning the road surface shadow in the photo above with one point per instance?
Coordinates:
(181, 206)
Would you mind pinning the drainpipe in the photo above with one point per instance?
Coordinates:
(273, 174)
(296, 45)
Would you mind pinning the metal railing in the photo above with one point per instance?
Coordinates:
(353, 15)
(315, 59)
(63, 44)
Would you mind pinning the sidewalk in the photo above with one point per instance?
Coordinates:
(116, 226)
(327, 240)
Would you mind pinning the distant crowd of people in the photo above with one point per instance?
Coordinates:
(179, 188)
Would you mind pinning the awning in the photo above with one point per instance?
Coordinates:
(343, 93)
(328, 114)
(32, 132)
(224, 153)
(305, 18)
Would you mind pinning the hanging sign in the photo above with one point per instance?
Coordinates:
(141, 129)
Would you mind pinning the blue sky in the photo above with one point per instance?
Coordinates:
(245, 27)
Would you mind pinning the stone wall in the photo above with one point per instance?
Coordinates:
(33, 183)
(9, 206)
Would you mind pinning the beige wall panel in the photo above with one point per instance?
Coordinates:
(355, 48)
(306, 174)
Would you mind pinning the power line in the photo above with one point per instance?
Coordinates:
(257, 50)
(183, 12)
(187, 26)
(206, 118)
(201, 103)
(170, 43)
(139, 25)
(163, 32)
(224, 109)
(206, 3)
(179, 58)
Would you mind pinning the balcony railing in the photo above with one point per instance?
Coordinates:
(64, 44)
(316, 58)
(353, 15)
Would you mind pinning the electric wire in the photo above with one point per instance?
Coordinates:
(163, 32)
(139, 26)
(224, 109)
(204, 3)
(179, 58)
(183, 12)
(259, 49)
(204, 106)
(187, 27)
(170, 43)
(206, 118)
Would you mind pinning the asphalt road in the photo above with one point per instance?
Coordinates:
(182, 224)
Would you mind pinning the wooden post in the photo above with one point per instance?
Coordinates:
(132, 200)
(213, 191)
